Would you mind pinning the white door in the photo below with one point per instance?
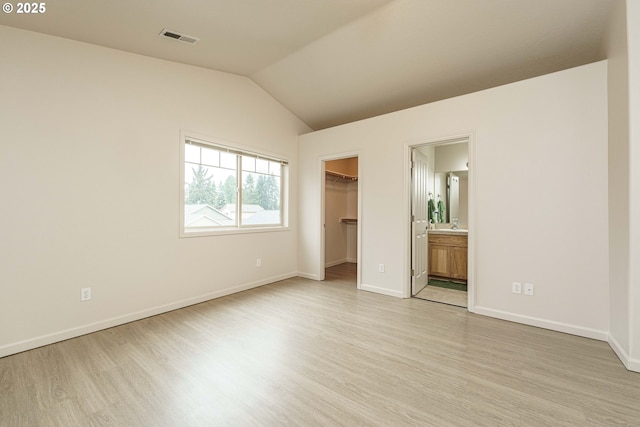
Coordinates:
(419, 221)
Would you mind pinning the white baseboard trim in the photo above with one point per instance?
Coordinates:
(31, 343)
(627, 361)
(310, 276)
(337, 262)
(383, 291)
(542, 323)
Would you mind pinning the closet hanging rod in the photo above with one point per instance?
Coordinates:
(341, 175)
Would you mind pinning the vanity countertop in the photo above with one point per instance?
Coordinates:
(449, 231)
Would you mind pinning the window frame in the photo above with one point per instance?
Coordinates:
(239, 151)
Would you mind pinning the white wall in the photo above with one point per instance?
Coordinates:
(618, 175)
(543, 141)
(633, 29)
(89, 177)
(352, 228)
(623, 49)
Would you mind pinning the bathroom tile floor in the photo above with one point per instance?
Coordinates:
(443, 295)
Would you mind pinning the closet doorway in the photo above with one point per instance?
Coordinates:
(440, 221)
(341, 211)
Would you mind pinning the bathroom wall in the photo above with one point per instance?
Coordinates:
(452, 157)
(463, 216)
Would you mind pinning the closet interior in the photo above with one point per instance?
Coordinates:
(341, 212)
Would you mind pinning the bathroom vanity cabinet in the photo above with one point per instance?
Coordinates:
(448, 255)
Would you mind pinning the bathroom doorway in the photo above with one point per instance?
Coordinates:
(440, 238)
(341, 211)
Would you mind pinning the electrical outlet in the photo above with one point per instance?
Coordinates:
(381, 268)
(516, 287)
(85, 294)
(258, 262)
(528, 289)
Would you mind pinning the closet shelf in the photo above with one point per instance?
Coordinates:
(342, 175)
(349, 220)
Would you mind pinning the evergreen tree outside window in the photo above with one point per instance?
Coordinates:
(227, 188)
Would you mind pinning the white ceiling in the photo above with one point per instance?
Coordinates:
(335, 61)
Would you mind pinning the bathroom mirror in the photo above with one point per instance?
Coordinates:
(452, 188)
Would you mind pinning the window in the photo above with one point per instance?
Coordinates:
(227, 189)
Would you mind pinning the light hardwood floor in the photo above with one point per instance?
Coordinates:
(307, 353)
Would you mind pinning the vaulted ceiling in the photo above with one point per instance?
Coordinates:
(336, 61)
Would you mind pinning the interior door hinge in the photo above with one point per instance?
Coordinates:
(413, 272)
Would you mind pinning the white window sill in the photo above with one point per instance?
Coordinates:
(229, 231)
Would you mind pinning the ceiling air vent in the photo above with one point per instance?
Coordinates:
(177, 36)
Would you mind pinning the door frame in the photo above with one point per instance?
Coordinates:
(323, 160)
(471, 248)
